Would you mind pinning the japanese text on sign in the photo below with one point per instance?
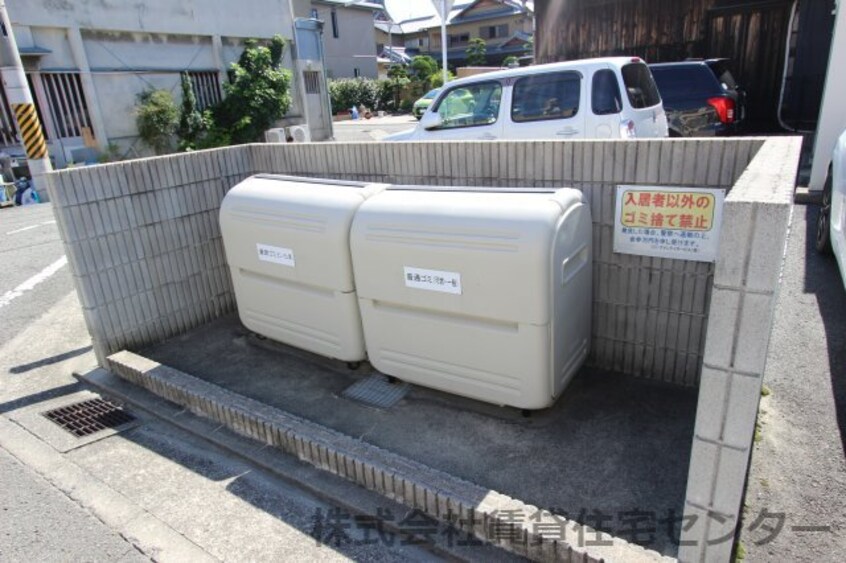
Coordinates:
(275, 254)
(433, 280)
(665, 222)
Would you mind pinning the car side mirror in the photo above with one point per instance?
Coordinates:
(431, 120)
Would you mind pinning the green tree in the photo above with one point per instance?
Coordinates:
(422, 67)
(397, 82)
(192, 125)
(156, 117)
(510, 60)
(436, 80)
(477, 52)
(257, 95)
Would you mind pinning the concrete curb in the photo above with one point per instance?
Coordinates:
(486, 514)
(805, 196)
(336, 491)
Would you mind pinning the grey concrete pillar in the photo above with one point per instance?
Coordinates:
(81, 60)
(746, 279)
(219, 63)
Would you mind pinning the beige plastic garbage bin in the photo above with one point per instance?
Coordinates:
(484, 294)
(287, 244)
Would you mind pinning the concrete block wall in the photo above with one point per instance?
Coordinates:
(746, 280)
(649, 314)
(143, 242)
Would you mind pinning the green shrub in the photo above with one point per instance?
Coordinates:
(344, 93)
(192, 123)
(258, 94)
(156, 117)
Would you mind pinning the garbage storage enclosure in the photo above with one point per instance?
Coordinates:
(287, 245)
(485, 294)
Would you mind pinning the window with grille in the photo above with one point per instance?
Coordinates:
(8, 132)
(206, 87)
(311, 78)
(66, 99)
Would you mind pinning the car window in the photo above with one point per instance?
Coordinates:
(722, 70)
(470, 105)
(678, 83)
(605, 98)
(431, 94)
(546, 96)
(640, 87)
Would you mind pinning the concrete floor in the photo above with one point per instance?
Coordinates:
(611, 446)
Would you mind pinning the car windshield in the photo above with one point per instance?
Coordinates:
(431, 94)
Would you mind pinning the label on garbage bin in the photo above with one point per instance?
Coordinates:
(433, 280)
(275, 254)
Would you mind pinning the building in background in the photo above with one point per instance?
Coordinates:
(779, 48)
(505, 25)
(348, 36)
(87, 62)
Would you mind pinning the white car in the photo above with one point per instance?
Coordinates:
(831, 224)
(607, 98)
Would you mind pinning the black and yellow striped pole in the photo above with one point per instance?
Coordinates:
(32, 136)
(21, 102)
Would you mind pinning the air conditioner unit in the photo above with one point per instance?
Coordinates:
(276, 135)
(300, 134)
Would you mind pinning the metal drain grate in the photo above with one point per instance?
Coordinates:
(88, 417)
(376, 391)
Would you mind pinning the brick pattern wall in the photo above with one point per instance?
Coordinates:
(143, 240)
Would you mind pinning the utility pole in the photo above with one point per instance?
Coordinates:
(20, 99)
(444, 13)
(443, 8)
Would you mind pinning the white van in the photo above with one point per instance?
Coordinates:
(607, 98)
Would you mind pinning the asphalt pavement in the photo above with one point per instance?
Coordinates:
(40, 523)
(795, 507)
(371, 130)
(34, 275)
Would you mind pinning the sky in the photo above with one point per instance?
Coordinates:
(404, 9)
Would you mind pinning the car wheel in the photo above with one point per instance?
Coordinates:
(823, 242)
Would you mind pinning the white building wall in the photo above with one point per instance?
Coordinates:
(133, 46)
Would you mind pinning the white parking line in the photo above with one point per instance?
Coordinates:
(30, 284)
(23, 229)
(31, 227)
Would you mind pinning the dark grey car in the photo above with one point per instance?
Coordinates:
(701, 98)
